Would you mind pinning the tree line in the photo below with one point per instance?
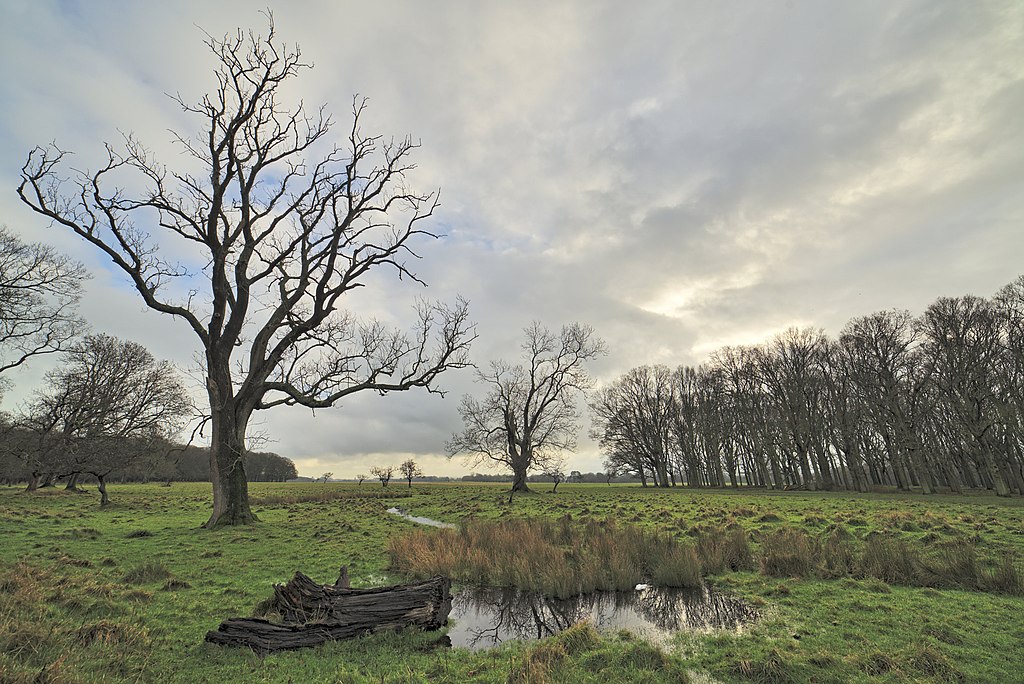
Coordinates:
(164, 462)
(930, 402)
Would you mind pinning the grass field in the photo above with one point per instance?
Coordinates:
(127, 593)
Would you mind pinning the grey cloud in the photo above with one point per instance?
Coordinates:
(678, 176)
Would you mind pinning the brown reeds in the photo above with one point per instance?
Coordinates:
(556, 558)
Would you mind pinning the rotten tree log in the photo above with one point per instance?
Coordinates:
(313, 614)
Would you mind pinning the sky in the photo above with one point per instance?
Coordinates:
(679, 175)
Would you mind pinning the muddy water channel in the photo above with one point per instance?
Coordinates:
(482, 618)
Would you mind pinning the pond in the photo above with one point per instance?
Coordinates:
(485, 617)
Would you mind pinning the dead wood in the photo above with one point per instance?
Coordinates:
(312, 613)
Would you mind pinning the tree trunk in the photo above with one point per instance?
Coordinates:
(72, 485)
(227, 465)
(104, 499)
(33, 482)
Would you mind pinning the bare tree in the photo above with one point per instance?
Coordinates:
(360, 477)
(556, 474)
(109, 404)
(326, 477)
(634, 414)
(39, 291)
(529, 415)
(383, 473)
(962, 344)
(281, 226)
(890, 373)
(410, 470)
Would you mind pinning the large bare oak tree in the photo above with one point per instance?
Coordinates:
(282, 225)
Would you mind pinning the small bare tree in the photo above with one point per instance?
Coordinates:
(556, 474)
(383, 473)
(280, 225)
(360, 477)
(529, 415)
(326, 477)
(409, 470)
(39, 291)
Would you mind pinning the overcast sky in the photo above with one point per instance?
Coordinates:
(679, 175)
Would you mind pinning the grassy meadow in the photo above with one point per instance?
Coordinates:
(881, 587)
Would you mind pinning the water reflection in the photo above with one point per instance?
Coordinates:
(422, 521)
(486, 617)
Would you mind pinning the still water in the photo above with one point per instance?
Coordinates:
(482, 618)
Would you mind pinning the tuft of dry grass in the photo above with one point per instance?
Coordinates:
(147, 573)
(787, 552)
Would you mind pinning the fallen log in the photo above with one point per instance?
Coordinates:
(313, 614)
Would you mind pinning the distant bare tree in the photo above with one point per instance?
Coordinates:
(556, 474)
(39, 291)
(360, 477)
(279, 226)
(325, 478)
(410, 470)
(383, 473)
(529, 415)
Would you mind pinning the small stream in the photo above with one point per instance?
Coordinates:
(485, 617)
(422, 521)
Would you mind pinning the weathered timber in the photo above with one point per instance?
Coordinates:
(313, 614)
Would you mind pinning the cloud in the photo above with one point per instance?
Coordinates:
(678, 176)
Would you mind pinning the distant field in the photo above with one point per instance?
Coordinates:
(127, 593)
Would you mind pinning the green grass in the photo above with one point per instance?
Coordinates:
(86, 595)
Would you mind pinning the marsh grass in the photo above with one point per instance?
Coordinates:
(861, 624)
(787, 552)
(48, 635)
(556, 558)
(790, 552)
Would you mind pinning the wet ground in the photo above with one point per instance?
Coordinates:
(482, 618)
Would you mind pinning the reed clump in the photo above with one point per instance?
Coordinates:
(554, 557)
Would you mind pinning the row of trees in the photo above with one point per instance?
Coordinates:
(108, 405)
(165, 462)
(928, 402)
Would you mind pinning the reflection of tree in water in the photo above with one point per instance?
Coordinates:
(671, 610)
(490, 616)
